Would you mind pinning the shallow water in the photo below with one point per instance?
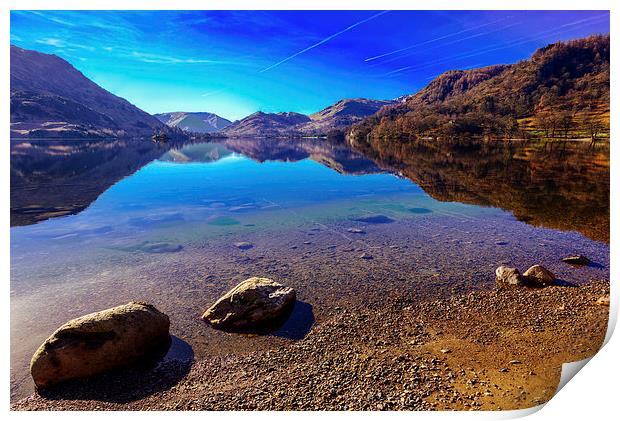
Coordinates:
(334, 223)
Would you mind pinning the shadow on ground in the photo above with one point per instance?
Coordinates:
(131, 383)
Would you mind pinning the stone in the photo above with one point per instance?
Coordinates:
(252, 303)
(603, 301)
(356, 231)
(244, 245)
(576, 260)
(366, 256)
(539, 275)
(506, 277)
(99, 342)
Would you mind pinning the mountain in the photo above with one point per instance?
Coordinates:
(198, 122)
(562, 90)
(343, 113)
(267, 125)
(51, 98)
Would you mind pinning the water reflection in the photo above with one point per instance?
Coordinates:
(562, 185)
(559, 185)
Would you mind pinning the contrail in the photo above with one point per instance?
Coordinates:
(323, 41)
(496, 47)
(435, 39)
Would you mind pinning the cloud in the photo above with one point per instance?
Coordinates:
(324, 40)
(59, 43)
(156, 58)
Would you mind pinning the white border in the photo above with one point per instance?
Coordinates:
(591, 395)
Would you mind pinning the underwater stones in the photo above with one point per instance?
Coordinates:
(101, 341)
(161, 248)
(420, 210)
(539, 275)
(576, 260)
(356, 231)
(374, 219)
(244, 245)
(252, 303)
(506, 277)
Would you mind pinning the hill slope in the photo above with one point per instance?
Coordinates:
(196, 122)
(561, 91)
(51, 98)
(340, 115)
(266, 124)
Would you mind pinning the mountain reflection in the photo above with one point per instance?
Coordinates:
(562, 185)
(559, 185)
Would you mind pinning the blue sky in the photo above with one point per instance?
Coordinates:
(234, 63)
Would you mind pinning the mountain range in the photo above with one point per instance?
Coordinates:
(340, 115)
(562, 90)
(50, 99)
(195, 122)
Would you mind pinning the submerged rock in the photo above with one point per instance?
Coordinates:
(244, 245)
(356, 231)
(374, 219)
(506, 277)
(99, 342)
(539, 275)
(576, 260)
(250, 304)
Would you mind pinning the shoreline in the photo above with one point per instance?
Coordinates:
(489, 350)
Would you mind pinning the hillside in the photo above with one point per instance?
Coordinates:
(561, 91)
(266, 124)
(340, 115)
(195, 122)
(343, 113)
(51, 98)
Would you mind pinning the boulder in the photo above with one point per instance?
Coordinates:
(252, 303)
(99, 342)
(506, 277)
(576, 260)
(539, 275)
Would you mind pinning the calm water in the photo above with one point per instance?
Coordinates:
(97, 224)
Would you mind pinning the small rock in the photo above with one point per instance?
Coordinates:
(445, 351)
(253, 302)
(539, 275)
(244, 245)
(506, 277)
(515, 362)
(366, 256)
(356, 231)
(603, 301)
(503, 370)
(501, 243)
(576, 260)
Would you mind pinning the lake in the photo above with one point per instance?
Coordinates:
(95, 224)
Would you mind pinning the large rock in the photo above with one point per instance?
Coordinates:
(506, 277)
(250, 304)
(539, 275)
(99, 342)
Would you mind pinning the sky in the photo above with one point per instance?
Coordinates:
(234, 63)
